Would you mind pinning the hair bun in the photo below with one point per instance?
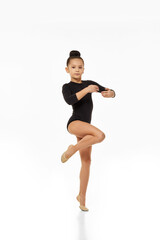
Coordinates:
(74, 53)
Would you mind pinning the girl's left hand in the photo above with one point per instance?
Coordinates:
(108, 93)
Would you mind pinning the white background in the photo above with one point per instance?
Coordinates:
(120, 44)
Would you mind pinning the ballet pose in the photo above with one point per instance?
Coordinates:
(77, 93)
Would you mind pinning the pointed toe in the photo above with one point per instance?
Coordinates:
(83, 208)
(63, 158)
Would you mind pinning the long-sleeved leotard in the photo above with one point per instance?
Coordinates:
(82, 109)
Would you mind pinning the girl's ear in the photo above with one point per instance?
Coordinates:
(66, 68)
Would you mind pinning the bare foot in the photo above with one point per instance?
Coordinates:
(70, 151)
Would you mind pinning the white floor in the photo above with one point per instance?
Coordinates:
(38, 202)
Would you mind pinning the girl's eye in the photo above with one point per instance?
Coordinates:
(74, 67)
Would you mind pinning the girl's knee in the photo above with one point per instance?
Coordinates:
(101, 136)
(86, 162)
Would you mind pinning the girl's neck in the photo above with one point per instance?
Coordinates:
(78, 80)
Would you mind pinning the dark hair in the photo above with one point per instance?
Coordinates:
(74, 54)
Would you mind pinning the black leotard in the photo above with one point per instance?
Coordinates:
(82, 109)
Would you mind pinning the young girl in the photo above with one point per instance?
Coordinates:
(77, 93)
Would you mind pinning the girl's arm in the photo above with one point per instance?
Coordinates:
(108, 93)
(75, 97)
(81, 93)
(105, 92)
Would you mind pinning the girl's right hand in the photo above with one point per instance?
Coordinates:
(92, 88)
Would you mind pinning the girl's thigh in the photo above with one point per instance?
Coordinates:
(81, 129)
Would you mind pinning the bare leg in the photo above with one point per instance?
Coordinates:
(84, 177)
(87, 135)
(85, 155)
(85, 142)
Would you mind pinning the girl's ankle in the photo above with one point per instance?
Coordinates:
(82, 195)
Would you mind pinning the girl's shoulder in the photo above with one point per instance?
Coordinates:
(70, 82)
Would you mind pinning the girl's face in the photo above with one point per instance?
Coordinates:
(75, 68)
